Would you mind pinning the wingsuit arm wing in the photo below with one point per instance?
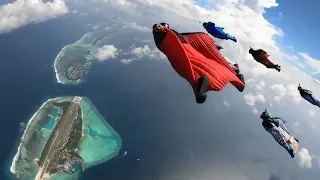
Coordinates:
(219, 27)
(180, 50)
(204, 44)
(308, 91)
(275, 121)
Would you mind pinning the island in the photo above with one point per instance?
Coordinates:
(66, 136)
(74, 61)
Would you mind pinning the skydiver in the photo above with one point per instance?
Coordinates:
(217, 31)
(307, 95)
(261, 56)
(269, 123)
(200, 72)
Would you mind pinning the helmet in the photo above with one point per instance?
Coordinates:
(265, 114)
(299, 87)
(205, 24)
(165, 24)
(250, 50)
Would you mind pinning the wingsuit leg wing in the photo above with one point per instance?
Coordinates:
(283, 137)
(311, 99)
(262, 57)
(288, 142)
(205, 45)
(268, 64)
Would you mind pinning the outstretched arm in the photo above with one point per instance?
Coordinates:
(219, 47)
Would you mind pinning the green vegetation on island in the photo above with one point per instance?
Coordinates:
(64, 137)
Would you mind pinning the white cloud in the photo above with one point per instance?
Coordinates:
(23, 12)
(301, 65)
(144, 52)
(106, 52)
(312, 62)
(303, 158)
(251, 99)
(286, 92)
(225, 103)
(296, 126)
(261, 85)
(311, 113)
(139, 28)
(295, 57)
(255, 110)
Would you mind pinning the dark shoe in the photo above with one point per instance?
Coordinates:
(202, 89)
(297, 140)
(241, 77)
(292, 153)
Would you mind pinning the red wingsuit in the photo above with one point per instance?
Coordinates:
(196, 55)
(262, 57)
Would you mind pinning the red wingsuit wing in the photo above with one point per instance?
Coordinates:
(191, 64)
(204, 44)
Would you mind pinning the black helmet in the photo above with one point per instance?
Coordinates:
(299, 87)
(165, 24)
(265, 114)
(250, 50)
(205, 24)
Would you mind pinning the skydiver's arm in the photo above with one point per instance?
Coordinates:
(264, 125)
(219, 47)
(267, 54)
(307, 91)
(275, 122)
(264, 52)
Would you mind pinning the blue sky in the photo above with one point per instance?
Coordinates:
(300, 23)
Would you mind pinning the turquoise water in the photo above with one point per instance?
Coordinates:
(77, 166)
(55, 112)
(100, 141)
(89, 131)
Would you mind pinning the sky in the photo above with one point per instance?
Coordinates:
(245, 151)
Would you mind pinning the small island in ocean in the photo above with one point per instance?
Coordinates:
(66, 136)
(74, 61)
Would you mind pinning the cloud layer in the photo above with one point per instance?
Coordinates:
(23, 12)
(106, 52)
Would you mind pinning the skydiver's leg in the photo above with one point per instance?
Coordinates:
(201, 89)
(313, 99)
(241, 77)
(236, 68)
(291, 153)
